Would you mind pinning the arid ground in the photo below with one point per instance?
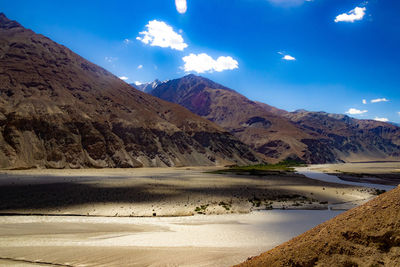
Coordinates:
(106, 217)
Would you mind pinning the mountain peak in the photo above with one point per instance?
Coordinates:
(6, 23)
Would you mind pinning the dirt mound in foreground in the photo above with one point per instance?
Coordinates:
(368, 235)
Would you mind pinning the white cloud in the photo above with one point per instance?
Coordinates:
(288, 57)
(398, 113)
(381, 119)
(379, 100)
(127, 41)
(161, 34)
(204, 63)
(140, 67)
(353, 15)
(364, 101)
(181, 6)
(354, 111)
(138, 83)
(124, 78)
(110, 59)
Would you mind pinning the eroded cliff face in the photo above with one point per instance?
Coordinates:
(59, 110)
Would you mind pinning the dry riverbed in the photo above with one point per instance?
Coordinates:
(164, 192)
(116, 234)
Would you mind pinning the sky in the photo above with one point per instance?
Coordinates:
(338, 56)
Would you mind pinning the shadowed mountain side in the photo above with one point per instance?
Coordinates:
(58, 110)
(314, 137)
(368, 235)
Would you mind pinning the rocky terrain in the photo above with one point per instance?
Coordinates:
(58, 110)
(346, 138)
(313, 137)
(271, 135)
(368, 235)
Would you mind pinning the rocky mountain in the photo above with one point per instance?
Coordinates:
(368, 235)
(345, 138)
(147, 87)
(59, 110)
(313, 137)
(272, 135)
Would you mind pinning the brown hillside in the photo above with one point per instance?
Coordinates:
(345, 138)
(59, 110)
(271, 135)
(368, 235)
(314, 137)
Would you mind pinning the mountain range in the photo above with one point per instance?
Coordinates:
(58, 110)
(147, 87)
(311, 137)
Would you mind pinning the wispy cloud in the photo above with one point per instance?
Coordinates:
(110, 59)
(355, 14)
(138, 83)
(381, 119)
(204, 63)
(140, 67)
(181, 6)
(161, 34)
(354, 111)
(124, 78)
(364, 101)
(379, 100)
(288, 3)
(127, 41)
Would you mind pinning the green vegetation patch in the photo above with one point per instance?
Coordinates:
(263, 169)
(226, 206)
(202, 209)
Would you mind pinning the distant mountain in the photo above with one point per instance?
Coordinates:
(147, 87)
(368, 235)
(273, 136)
(59, 110)
(313, 137)
(346, 138)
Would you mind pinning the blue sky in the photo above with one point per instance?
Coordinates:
(320, 55)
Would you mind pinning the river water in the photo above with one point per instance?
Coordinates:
(306, 171)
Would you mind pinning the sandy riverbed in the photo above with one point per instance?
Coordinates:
(163, 192)
(127, 239)
(360, 167)
(201, 240)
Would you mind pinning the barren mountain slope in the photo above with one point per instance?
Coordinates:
(59, 110)
(346, 138)
(314, 137)
(271, 135)
(368, 235)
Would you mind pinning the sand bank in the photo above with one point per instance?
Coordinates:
(163, 192)
(201, 240)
